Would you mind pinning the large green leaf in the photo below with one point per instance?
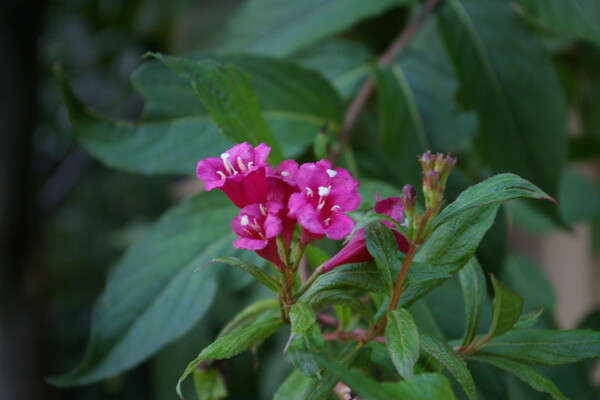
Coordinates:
(254, 313)
(282, 27)
(232, 344)
(292, 386)
(302, 317)
(440, 350)
(571, 18)
(153, 295)
(501, 79)
(545, 347)
(418, 111)
(502, 187)
(527, 374)
(506, 309)
(472, 284)
(257, 273)
(228, 95)
(402, 341)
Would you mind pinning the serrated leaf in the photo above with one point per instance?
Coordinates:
(228, 95)
(258, 274)
(280, 28)
(472, 284)
(502, 187)
(571, 18)
(292, 386)
(155, 286)
(451, 361)
(231, 345)
(302, 317)
(251, 314)
(382, 245)
(506, 309)
(511, 75)
(545, 347)
(402, 340)
(529, 375)
(308, 342)
(209, 384)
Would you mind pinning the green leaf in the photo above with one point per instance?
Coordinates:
(228, 95)
(506, 309)
(545, 347)
(360, 276)
(528, 320)
(292, 386)
(308, 342)
(154, 286)
(571, 18)
(402, 340)
(302, 317)
(258, 274)
(579, 198)
(501, 187)
(420, 280)
(209, 384)
(341, 297)
(173, 146)
(511, 76)
(382, 245)
(451, 361)
(232, 344)
(472, 284)
(527, 374)
(252, 314)
(280, 28)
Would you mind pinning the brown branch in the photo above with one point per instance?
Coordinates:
(386, 58)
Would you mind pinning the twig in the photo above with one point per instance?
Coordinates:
(387, 57)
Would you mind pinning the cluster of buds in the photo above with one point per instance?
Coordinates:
(436, 169)
(273, 202)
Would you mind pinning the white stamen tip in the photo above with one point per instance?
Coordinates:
(250, 164)
(241, 164)
(309, 192)
(225, 156)
(335, 208)
(285, 174)
(221, 174)
(263, 210)
(324, 191)
(331, 173)
(244, 221)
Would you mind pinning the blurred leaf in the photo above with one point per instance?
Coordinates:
(579, 198)
(251, 314)
(341, 297)
(527, 374)
(506, 309)
(545, 347)
(474, 291)
(308, 342)
(258, 274)
(232, 344)
(510, 76)
(154, 286)
(280, 28)
(302, 317)
(418, 111)
(316, 256)
(402, 340)
(228, 95)
(209, 384)
(292, 386)
(440, 350)
(382, 245)
(570, 18)
(501, 187)
(345, 63)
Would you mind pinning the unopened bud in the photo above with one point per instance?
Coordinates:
(409, 199)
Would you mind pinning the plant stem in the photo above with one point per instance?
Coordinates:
(386, 58)
(318, 272)
(410, 254)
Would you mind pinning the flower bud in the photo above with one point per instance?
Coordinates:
(409, 198)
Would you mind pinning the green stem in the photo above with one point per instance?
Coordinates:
(318, 272)
(410, 254)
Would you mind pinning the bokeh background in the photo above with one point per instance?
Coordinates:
(65, 219)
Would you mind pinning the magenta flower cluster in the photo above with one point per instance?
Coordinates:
(273, 202)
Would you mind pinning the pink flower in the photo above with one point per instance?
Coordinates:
(282, 184)
(240, 173)
(325, 195)
(257, 225)
(356, 249)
